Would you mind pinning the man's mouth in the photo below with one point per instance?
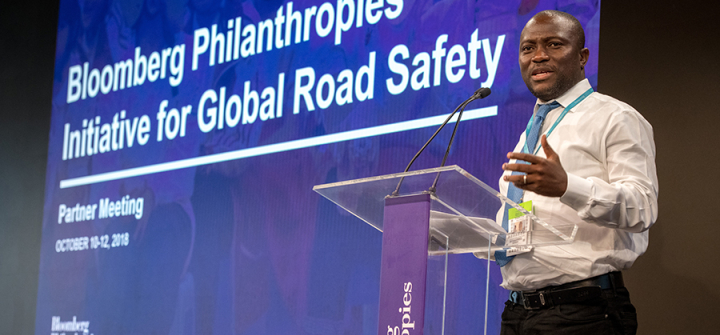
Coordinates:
(541, 74)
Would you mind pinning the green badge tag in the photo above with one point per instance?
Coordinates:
(513, 213)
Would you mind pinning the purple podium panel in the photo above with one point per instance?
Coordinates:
(403, 265)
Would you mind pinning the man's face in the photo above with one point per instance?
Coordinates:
(550, 60)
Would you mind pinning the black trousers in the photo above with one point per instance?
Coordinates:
(612, 313)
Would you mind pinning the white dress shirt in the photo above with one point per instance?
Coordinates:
(607, 149)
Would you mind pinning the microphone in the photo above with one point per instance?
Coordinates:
(480, 93)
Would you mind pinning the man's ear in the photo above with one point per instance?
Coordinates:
(584, 55)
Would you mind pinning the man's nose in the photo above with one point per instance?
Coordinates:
(540, 55)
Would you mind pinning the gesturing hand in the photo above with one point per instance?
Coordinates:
(544, 176)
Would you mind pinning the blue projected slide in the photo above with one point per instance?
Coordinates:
(186, 138)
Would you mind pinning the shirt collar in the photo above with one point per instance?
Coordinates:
(568, 97)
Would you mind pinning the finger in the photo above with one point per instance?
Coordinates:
(518, 180)
(525, 157)
(527, 168)
(549, 152)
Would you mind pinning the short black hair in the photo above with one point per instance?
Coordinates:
(577, 29)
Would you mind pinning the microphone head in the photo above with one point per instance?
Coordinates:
(482, 92)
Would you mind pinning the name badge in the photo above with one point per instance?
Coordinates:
(519, 227)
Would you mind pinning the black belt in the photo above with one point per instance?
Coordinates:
(569, 293)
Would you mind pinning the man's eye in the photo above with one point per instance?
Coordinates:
(555, 44)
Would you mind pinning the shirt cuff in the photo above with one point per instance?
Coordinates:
(577, 194)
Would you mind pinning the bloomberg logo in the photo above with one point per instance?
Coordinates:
(406, 320)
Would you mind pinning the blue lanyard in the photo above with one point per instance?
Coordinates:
(567, 109)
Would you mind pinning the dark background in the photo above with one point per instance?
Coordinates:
(659, 56)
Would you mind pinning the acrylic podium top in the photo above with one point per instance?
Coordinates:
(463, 208)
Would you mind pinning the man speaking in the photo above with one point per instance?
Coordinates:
(586, 159)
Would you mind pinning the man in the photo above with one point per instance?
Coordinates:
(606, 184)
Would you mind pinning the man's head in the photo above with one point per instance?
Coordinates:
(552, 54)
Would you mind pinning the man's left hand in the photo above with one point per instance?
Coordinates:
(544, 176)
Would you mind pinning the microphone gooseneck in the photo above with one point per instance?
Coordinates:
(478, 94)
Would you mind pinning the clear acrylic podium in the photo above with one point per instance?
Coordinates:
(421, 227)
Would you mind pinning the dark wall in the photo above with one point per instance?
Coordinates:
(662, 58)
(659, 56)
(27, 49)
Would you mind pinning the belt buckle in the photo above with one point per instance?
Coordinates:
(526, 300)
(536, 300)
